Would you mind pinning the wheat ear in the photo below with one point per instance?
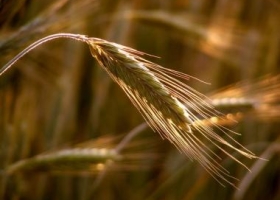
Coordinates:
(259, 97)
(173, 109)
(170, 107)
(67, 159)
(88, 157)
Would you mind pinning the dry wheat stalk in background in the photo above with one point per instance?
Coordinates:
(259, 98)
(90, 157)
(67, 160)
(176, 111)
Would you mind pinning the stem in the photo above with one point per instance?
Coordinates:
(78, 37)
(130, 136)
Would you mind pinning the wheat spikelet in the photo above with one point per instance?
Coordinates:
(173, 109)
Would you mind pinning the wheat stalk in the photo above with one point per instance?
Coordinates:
(173, 109)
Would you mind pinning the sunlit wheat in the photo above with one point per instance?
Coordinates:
(173, 109)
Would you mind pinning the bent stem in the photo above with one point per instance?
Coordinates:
(77, 37)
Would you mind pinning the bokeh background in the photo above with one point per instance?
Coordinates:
(57, 96)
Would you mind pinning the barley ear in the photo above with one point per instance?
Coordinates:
(173, 109)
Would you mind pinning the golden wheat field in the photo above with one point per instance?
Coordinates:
(154, 100)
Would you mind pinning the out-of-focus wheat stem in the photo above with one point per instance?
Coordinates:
(130, 136)
(123, 143)
(255, 169)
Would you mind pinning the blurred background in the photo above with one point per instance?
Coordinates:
(57, 96)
